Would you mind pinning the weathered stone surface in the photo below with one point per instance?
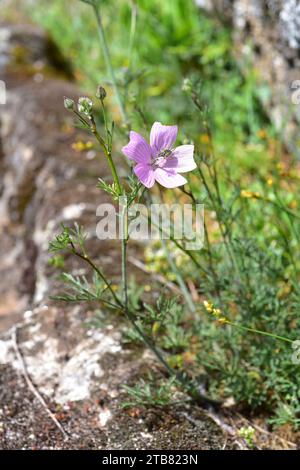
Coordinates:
(80, 372)
(272, 28)
(39, 166)
(32, 49)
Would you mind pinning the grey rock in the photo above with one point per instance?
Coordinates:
(31, 48)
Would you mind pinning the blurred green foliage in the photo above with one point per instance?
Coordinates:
(154, 46)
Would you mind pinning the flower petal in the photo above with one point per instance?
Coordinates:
(185, 158)
(162, 137)
(169, 179)
(170, 164)
(137, 149)
(145, 174)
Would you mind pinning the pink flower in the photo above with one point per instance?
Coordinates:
(159, 161)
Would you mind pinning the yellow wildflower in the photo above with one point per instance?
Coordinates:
(280, 166)
(250, 194)
(155, 327)
(204, 139)
(80, 146)
(216, 312)
(262, 134)
(208, 306)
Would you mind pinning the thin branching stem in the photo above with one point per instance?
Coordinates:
(108, 156)
(100, 274)
(264, 333)
(209, 248)
(108, 62)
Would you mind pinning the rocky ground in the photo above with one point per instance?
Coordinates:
(60, 379)
(80, 374)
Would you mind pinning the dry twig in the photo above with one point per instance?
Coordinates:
(30, 385)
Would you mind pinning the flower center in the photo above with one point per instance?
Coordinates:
(159, 160)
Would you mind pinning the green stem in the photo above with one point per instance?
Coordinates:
(264, 333)
(105, 125)
(185, 382)
(132, 31)
(108, 63)
(209, 248)
(181, 282)
(124, 235)
(114, 173)
(185, 292)
(130, 317)
(100, 274)
(179, 246)
(187, 385)
(217, 209)
(109, 158)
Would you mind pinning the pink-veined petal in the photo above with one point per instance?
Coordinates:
(185, 158)
(170, 163)
(162, 137)
(145, 174)
(169, 179)
(137, 149)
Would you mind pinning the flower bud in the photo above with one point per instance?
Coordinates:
(187, 85)
(69, 104)
(101, 93)
(85, 105)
